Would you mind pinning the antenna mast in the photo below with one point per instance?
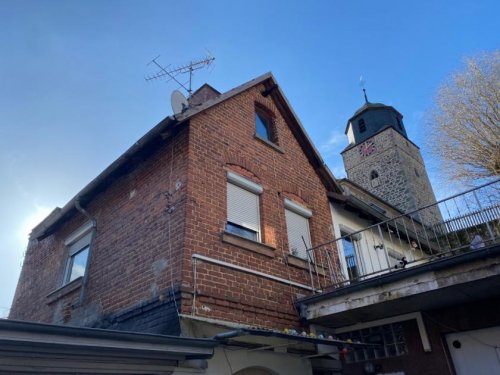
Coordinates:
(183, 69)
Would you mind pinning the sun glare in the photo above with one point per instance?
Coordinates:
(31, 221)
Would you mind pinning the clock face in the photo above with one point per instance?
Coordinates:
(367, 148)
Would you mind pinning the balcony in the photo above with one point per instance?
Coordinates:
(445, 254)
(454, 226)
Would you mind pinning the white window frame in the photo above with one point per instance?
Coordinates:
(304, 212)
(80, 240)
(251, 187)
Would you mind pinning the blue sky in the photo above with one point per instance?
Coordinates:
(73, 95)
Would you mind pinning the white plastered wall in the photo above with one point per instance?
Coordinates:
(370, 259)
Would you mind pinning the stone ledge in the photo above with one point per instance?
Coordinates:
(64, 290)
(247, 244)
(270, 144)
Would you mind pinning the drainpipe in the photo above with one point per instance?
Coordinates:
(85, 276)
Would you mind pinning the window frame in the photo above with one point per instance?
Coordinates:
(251, 187)
(305, 213)
(391, 337)
(268, 120)
(78, 242)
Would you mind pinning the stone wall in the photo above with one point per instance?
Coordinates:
(402, 181)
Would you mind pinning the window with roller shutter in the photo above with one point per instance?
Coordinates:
(297, 224)
(243, 216)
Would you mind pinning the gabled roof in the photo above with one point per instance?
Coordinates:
(163, 130)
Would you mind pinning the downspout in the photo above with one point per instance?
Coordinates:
(85, 276)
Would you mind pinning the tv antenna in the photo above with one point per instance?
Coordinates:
(362, 84)
(172, 74)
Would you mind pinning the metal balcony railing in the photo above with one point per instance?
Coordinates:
(463, 222)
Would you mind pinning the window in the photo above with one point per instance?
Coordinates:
(374, 180)
(265, 124)
(78, 248)
(297, 226)
(390, 337)
(400, 124)
(243, 217)
(262, 127)
(350, 257)
(362, 125)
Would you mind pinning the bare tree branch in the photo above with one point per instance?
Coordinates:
(465, 121)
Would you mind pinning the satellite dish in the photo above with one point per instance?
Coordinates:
(178, 101)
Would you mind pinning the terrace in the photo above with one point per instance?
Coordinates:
(439, 255)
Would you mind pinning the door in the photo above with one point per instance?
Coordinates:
(475, 352)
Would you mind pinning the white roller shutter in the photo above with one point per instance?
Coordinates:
(243, 208)
(297, 227)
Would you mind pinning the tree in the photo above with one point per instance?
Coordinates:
(465, 121)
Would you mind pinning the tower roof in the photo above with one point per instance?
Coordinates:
(369, 105)
(373, 117)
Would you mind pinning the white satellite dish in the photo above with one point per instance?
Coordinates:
(178, 101)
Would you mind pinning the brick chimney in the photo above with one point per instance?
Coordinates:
(204, 93)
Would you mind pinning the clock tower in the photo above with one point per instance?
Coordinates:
(382, 160)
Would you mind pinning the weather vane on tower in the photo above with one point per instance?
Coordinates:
(362, 84)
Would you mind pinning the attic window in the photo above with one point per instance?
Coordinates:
(264, 124)
(262, 127)
(362, 125)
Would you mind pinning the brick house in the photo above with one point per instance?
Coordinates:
(200, 227)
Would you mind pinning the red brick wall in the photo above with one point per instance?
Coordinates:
(221, 139)
(130, 258)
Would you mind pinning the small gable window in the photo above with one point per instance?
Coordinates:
(362, 125)
(374, 179)
(264, 124)
(262, 127)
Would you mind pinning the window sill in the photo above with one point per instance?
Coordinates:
(247, 244)
(65, 289)
(303, 264)
(269, 143)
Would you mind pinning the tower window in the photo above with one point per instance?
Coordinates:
(362, 125)
(400, 124)
(374, 179)
(416, 173)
